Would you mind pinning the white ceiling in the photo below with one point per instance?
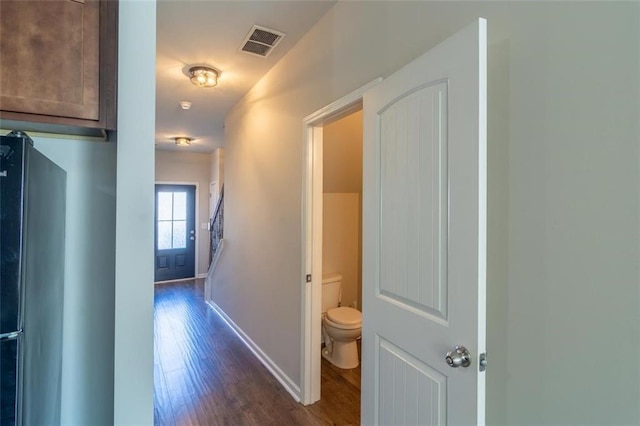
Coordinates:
(210, 32)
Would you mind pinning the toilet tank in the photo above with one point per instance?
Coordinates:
(331, 284)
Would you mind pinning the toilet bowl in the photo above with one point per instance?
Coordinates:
(341, 328)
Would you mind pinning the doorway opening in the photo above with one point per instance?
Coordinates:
(332, 237)
(341, 273)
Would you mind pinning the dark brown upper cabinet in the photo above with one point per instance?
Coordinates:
(58, 65)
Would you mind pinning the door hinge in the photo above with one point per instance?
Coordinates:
(482, 361)
(308, 278)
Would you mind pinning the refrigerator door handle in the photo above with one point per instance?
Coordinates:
(10, 336)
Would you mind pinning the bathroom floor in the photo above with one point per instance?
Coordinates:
(204, 375)
(340, 391)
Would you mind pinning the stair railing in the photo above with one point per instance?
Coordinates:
(216, 227)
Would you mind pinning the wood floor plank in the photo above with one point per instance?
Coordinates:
(204, 374)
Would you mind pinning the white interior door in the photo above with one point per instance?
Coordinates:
(424, 247)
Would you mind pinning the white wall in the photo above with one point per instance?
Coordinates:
(217, 166)
(342, 154)
(573, 276)
(341, 237)
(564, 102)
(342, 185)
(87, 359)
(133, 359)
(172, 166)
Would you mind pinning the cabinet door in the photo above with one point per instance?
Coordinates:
(49, 57)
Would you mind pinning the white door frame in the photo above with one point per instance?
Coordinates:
(312, 236)
(197, 223)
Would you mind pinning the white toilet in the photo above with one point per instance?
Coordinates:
(341, 326)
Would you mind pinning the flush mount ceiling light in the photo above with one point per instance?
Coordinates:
(183, 141)
(185, 104)
(203, 76)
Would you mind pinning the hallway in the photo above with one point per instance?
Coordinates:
(204, 374)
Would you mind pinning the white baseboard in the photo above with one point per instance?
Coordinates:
(202, 275)
(289, 385)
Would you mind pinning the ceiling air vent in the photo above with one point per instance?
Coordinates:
(260, 41)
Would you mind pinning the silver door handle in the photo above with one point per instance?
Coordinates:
(458, 357)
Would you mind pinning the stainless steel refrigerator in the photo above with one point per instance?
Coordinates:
(32, 245)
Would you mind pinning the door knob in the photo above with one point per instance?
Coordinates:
(458, 357)
(192, 238)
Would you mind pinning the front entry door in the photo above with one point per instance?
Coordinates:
(424, 246)
(175, 233)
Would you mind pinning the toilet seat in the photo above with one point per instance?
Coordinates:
(344, 318)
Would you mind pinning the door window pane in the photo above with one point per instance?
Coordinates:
(164, 235)
(165, 204)
(172, 220)
(179, 234)
(179, 206)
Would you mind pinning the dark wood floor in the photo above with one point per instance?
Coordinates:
(204, 375)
